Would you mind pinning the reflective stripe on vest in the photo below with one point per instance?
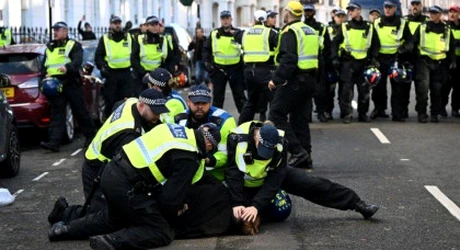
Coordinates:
(355, 42)
(389, 41)
(225, 50)
(5, 38)
(122, 118)
(332, 32)
(146, 150)
(57, 58)
(254, 174)
(151, 55)
(307, 45)
(321, 36)
(176, 105)
(456, 34)
(256, 44)
(434, 45)
(118, 54)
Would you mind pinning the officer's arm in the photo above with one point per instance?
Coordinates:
(272, 183)
(287, 58)
(170, 60)
(375, 44)
(234, 178)
(451, 53)
(273, 39)
(238, 36)
(100, 54)
(338, 39)
(416, 38)
(176, 51)
(219, 159)
(76, 57)
(136, 59)
(183, 166)
(407, 36)
(327, 44)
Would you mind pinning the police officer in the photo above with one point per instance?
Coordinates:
(223, 62)
(259, 44)
(374, 14)
(130, 120)
(321, 90)
(112, 58)
(200, 111)
(160, 79)
(436, 48)
(295, 81)
(63, 59)
(257, 169)
(147, 186)
(394, 37)
(354, 44)
(453, 82)
(331, 74)
(6, 37)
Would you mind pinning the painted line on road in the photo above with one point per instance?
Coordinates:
(382, 138)
(58, 162)
(76, 152)
(444, 200)
(40, 176)
(404, 159)
(18, 192)
(354, 104)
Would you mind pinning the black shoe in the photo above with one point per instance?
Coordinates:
(443, 112)
(322, 117)
(366, 210)
(455, 113)
(347, 119)
(378, 113)
(297, 158)
(422, 118)
(49, 146)
(405, 114)
(59, 232)
(434, 119)
(398, 119)
(58, 211)
(364, 118)
(101, 242)
(329, 116)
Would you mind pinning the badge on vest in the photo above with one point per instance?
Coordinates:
(117, 113)
(308, 31)
(125, 44)
(61, 51)
(255, 31)
(177, 131)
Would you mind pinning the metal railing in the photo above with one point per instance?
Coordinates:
(25, 34)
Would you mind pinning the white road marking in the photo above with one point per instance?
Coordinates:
(76, 152)
(40, 176)
(58, 162)
(383, 139)
(18, 192)
(405, 160)
(444, 200)
(354, 104)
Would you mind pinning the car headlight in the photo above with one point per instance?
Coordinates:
(31, 83)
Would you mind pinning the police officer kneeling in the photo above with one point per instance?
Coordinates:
(146, 186)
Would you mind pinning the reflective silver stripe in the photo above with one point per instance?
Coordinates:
(239, 157)
(218, 112)
(423, 42)
(109, 50)
(68, 48)
(183, 122)
(125, 125)
(308, 57)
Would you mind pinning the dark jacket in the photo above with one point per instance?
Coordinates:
(360, 25)
(259, 197)
(197, 45)
(100, 54)
(73, 67)
(86, 35)
(437, 28)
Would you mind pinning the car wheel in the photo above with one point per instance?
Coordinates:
(69, 125)
(10, 166)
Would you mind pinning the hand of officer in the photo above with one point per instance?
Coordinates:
(271, 85)
(63, 69)
(182, 211)
(336, 63)
(453, 65)
(238, 212)
(104, 72)
(375, 62)
(250, 214)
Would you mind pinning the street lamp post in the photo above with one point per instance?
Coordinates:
(50, 14)
(198, 2)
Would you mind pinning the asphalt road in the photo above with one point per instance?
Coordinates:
(410, 176)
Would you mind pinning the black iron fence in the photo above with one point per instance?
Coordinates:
(25, 34)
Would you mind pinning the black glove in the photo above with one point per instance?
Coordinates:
(336, 63)
(375, 62)
(453, 65)
(104, 72)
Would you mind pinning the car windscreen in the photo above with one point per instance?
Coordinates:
(25, 63)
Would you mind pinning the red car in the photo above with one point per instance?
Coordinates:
(22, 63)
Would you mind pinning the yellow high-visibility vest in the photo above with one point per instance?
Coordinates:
(57, 58)
(118, 54)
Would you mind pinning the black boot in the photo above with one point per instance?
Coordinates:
(347, 119)
(59, 232)
(365, 209)
(329, 116)
(363, 118)
(443, 112)
(322, 117)
(422, 118)
(58, 210)
(434, 119)
(299, 157)
(455, 113)
(101, 242)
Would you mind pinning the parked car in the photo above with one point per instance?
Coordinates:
(183, 39)
(10, 153)
(22, 63)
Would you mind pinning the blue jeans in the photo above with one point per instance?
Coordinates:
(200, 74)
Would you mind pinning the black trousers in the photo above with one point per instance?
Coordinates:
(257, 79)
(72, 93)
(351, 73)
(118, 85)
(235, 77)
(321, 90)
(452, 84)
(319, 190)
(430, 76)
(294, 100)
